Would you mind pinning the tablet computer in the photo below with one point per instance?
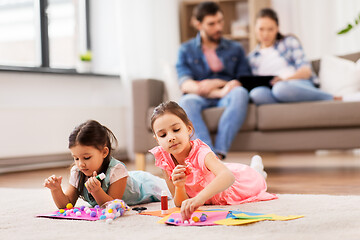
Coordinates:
(250, 82)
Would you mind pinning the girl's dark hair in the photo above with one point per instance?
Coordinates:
(173, 108)
(92, 133)
(268, 12)
(204, 9)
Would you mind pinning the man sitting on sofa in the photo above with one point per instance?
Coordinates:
(207, 67)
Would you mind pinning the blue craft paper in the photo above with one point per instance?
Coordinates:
(230, 214)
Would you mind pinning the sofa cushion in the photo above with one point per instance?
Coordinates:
(339, 76)
(352, 57)
(323, 114)
(212, 116)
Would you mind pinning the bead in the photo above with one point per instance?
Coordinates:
(203, 217)
(69, 206)
(192, 221)
(177, 221)
(171, 220)
(186, 222)
(78, 213)
(93, 214)
(76, 210)
(61, 210)
(195, 219)
(102, 217)
(82, 208)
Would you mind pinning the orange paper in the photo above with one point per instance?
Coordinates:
(158, 213)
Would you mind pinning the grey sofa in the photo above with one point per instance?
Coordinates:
(267, 128)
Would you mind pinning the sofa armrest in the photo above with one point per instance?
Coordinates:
(146, 93)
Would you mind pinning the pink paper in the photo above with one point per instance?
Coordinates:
(72, 215)
(212, 216)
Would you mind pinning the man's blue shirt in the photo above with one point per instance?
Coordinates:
(192, 64)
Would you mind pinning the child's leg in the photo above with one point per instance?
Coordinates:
(257, 164)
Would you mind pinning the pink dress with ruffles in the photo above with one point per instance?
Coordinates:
(249, 185)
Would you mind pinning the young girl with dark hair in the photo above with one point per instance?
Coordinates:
(90, 144)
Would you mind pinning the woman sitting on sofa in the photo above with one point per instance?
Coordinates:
(283, 57)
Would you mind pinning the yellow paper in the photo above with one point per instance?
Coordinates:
(271, 217)
(234, 222)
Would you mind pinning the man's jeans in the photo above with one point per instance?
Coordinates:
(235, 103)
(289, 91)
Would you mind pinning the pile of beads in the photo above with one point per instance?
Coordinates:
(70, 211)
(113, 209)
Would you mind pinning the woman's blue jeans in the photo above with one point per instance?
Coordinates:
(289, 91)
(235, 103)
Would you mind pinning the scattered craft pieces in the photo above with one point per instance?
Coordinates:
(208, 218)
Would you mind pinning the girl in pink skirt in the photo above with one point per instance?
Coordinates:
(193, 173)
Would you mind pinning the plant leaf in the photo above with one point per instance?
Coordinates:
(345, 30)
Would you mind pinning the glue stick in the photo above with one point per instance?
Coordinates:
(164, 202)
(101, 176)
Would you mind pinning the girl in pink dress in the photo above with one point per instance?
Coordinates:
(193, 173)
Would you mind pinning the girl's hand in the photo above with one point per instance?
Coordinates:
(92, 184)
(275, 80)
(178, 175)
(189, 206)
(53, 182)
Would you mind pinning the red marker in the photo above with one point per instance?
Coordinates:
(164, 202)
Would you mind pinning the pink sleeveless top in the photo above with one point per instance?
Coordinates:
(249, 185)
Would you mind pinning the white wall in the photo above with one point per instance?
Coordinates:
(316, 23)
(38, 111)
(148, 44)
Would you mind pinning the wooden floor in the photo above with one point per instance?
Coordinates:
(334, 172)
